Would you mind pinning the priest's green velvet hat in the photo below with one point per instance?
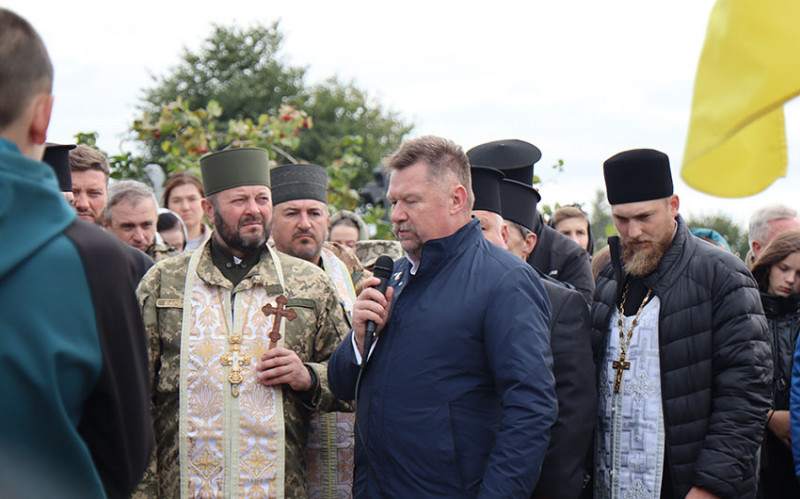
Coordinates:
(234, 168)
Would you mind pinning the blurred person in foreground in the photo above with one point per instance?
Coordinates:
(75, 420)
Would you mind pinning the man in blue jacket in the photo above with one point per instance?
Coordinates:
(458, 397)
(73, 362)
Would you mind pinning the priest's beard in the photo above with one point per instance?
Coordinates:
(642, 260)
(233, 237)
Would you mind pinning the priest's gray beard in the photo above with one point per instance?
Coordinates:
(643, 260)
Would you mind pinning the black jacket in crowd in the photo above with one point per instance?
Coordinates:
(573, 366)
(716, 367)
(557, 256)
(777, 478)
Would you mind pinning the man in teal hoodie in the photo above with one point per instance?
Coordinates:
(73, 362)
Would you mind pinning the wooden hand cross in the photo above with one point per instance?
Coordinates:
(279, 311)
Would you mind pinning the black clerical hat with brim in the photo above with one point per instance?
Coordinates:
(303, 181)
(519, 203)
(486, 187)
(637, 175)
(57, 156)
(234, 168)
(515, 158)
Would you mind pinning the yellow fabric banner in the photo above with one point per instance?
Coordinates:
(748, 69)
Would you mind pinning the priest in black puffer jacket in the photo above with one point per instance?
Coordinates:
(706, 367)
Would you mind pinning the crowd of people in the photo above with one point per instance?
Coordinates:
(236, 339)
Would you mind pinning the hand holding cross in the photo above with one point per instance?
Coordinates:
(279, 311)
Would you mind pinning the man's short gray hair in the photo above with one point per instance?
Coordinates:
(523, 231)
(131, 191)
(760, 219)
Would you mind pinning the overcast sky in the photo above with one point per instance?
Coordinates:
(582, 80)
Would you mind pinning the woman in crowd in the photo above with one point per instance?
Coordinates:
(777, 272)
(574, 223)
(182, 194)
(171, 229)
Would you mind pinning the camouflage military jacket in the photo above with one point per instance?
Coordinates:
(313, 335)
(160, 252)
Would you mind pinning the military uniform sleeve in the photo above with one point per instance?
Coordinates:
(147, 294)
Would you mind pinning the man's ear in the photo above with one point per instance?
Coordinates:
(208, 209)
(458, 199)
(530, 243)
(42, 109)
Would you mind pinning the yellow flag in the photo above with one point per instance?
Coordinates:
(750, 67)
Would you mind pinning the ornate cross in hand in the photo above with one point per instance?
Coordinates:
(620, 365)
(279, 311)
(235, 361)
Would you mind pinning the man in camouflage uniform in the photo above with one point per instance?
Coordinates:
(300, 195)
(239, 339)
(132, 216)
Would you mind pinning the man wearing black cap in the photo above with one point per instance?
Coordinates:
(75, 421)
(570, 339)
(554, 255)
(239, 339)
(300, 198)
(57, 156)
(682, 353)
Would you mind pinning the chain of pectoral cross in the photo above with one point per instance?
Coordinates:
(622, 364)
(234, 358)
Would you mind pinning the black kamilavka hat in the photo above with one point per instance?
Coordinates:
(519, 203)
(637, 175)
(291, 182)
(515, 158)
(57, 156)
(486, 187)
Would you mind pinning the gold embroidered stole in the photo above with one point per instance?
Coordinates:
(230, 446)
(330, 451)
(340, 277)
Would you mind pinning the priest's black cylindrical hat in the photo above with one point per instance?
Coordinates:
(637, 175)
(519, 203)
(57, 156)
(234, 168)
(515, 158)
(486, 187)
(291, 182)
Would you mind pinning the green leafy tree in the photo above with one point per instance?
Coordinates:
(726, 227)
(185, 134)
(601, 221)
(342, 110)
(242, 70)
(239, 68)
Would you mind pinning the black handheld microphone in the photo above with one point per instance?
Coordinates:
(383, 271)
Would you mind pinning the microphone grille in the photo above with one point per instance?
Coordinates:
(383, 267)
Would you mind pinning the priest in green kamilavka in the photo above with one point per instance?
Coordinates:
(239, 338)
